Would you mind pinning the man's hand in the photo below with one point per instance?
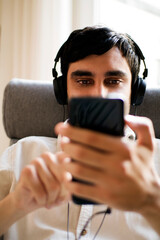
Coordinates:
(121, 171)
(40, 184)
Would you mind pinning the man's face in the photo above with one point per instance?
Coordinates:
(97, 76)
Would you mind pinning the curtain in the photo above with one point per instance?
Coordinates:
(31, 32)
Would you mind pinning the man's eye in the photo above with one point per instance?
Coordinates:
(112, 82)
(84, 82)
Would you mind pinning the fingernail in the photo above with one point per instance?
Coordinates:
(65, 140)
(67, 160)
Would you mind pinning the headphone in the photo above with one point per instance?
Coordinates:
(138, 89)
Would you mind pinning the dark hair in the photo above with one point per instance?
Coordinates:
(98, 40)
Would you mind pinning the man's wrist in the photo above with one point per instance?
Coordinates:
(151, 210)
(9, 213)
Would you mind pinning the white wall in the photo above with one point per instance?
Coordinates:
(144, 28)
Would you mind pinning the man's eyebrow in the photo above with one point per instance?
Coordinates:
(114, 73)
(81, 73)
(117, 73)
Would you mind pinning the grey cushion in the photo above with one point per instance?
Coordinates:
(30, 108)
(150, 108)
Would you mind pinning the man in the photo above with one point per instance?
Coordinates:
(37, 187)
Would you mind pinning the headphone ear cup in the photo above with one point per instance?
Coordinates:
(60, 90)
(138, 92)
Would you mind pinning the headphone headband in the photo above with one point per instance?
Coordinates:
(54, 72)
(139, 53)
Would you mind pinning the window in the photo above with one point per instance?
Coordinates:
(141, 20)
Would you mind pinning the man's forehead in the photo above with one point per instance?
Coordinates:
(109, 64)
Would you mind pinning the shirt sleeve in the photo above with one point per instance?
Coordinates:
(157, 156)
(6, 173)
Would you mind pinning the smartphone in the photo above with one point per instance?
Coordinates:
(105, 115)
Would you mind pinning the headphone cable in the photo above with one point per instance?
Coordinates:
(107, 211)
(68, 221)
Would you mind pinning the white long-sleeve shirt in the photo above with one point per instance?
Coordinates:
(44, 224)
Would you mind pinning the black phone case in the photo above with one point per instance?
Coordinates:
(98, 114)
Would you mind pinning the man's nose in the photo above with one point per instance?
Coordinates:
(101, 91)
